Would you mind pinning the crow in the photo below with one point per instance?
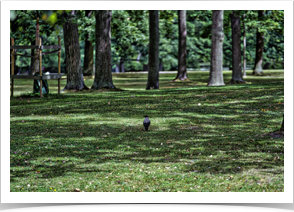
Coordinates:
(146, 122)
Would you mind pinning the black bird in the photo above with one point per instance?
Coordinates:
(146, 122)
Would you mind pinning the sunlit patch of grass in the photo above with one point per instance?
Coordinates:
(200, 139)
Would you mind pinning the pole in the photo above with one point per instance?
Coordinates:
(12, 66)
(59, 65)
(40, 65)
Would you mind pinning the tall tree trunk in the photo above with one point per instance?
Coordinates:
(121, 65)
(14, 28)
(88, 68)
(282, 127)
(16, 68)
(244, 47)
(153, 58)
(103, 75)
(236, 47)
(216, 61)
(257, 70)
(182, 52)
(75, 80)
(34, 61)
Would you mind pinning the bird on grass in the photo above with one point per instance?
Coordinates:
(146, 122)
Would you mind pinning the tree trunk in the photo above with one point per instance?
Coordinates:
(88, 68)
(75, 79)
(182, 51)
(89, 58)
(145, 67)
(244, 47)
(160, 66)
(34, 62)
(16, 68)
(153, 58)
(236, 50)
(257, 70)
(121, 65)
(103, 75)
(244, 54)
(282, 127)
(217, 37)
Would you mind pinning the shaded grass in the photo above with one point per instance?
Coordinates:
(200, 139)
(137, 81)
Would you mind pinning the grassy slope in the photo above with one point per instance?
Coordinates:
(201, 138)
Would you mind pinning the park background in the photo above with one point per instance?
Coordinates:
(162, 5)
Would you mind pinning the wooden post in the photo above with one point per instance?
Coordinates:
(40, 65)
(59, 65)
(12, 66)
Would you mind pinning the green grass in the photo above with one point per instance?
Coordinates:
(200, 139)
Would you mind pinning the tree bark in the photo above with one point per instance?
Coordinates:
(217, 37)
(244, 47)
(257, 70)
(34, 62)
(282, 127)
(236, 50)
(121, 65)
(89, 58)
(103, 75)
(75, 79)
(153, 58)
(88, 68)
(182, 51)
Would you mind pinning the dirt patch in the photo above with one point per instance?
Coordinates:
(276, 134)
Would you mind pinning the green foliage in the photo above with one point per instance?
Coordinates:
(129, 32)
(86, 26)
(130, 37)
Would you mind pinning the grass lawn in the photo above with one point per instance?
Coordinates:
(201, 138)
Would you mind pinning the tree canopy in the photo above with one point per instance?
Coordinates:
(129, 36)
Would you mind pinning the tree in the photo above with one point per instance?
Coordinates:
(153, 59)
(75, 80)
(282, 127)
(236, 49)
(103, 76)
(13, 29)
(244, 47)
(257, 70)
(169, 39)
(35, 62)
(217, 37)
(88, 67)
(130, 38)
(199, 25)
(269, 26)
(182, 51)
(23, 29)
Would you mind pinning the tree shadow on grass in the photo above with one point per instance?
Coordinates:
(122, 146)
(198, 136)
